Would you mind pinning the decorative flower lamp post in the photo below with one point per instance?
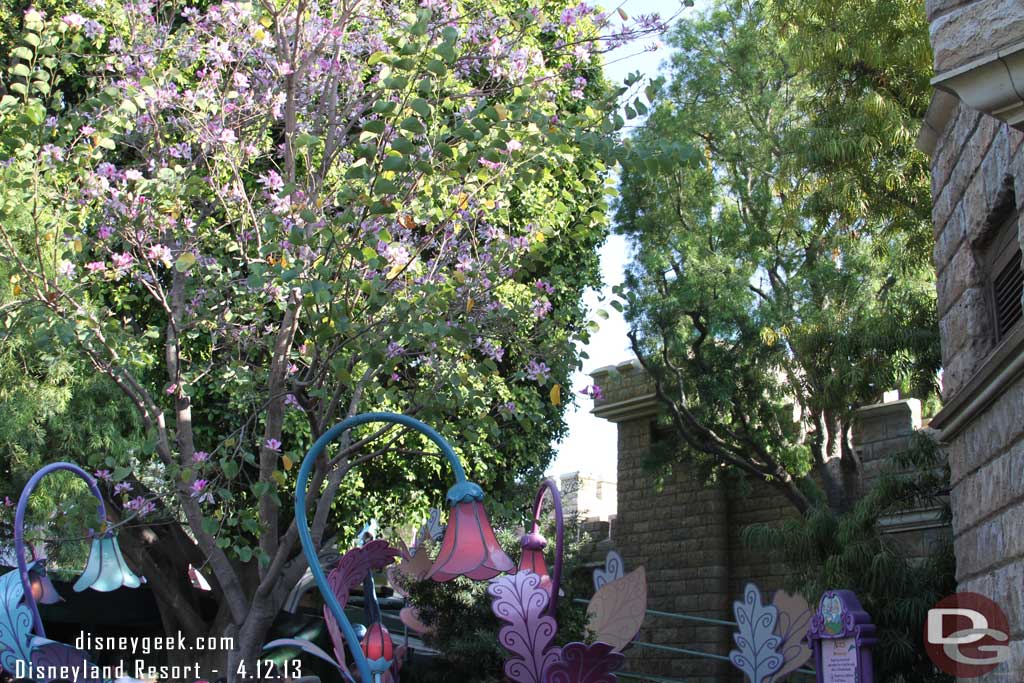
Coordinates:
(533, 544)
(469, 547)
(19, 614)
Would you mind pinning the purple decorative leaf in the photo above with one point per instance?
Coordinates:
(520, 601)
(349, 573)
(353, 567)
(51, 656)
(582, 663)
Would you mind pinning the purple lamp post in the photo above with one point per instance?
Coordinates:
(22, 637)
(106, 569)
(533, 544)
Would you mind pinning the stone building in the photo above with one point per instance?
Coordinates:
(587, 497)
(973, 136)
(688, 535)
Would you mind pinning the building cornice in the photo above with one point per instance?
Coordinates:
(635, 405)
(1004, 366)
(993, 84)
(940, 110)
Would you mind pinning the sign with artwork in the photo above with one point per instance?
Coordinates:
(842, 635)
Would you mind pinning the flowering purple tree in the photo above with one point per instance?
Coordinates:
(258, 219)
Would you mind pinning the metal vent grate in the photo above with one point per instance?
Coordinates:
(1007, 288)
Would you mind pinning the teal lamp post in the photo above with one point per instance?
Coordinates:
(469, 547)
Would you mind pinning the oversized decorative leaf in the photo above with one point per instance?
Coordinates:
(432, 529)
(613, 569)
(356, 564)
(519, 600)
(312, 649)
(417, 567)
(15, 623)
(410, 616)
(49, 655)
(582, 663)
(794, 616)
(616, 612)
(757, 657)
(350, 572)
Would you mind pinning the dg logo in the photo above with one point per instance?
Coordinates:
(966, 635)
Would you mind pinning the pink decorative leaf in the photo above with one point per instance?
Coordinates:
(410, 616)
(396, 579)
(520, 601)
(616, 612)
(582, 663)
(794, 616)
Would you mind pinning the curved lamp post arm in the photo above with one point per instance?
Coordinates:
(302, 524)
(19, 528)
(549, 487)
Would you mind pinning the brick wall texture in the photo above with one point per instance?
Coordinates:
(977, 167)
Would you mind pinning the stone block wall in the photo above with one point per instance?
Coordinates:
(977, 165)
(964, 30)
(688, 534)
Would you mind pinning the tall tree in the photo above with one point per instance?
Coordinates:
(766, 308)
(258, 219)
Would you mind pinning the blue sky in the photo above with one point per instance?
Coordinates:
(590, 443)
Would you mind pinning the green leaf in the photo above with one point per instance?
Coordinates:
(230, 468)
(22, 52)
(36, 112)
(413, 125)
(210, 525)
(421, 107)
(21, 70)
(184, 262)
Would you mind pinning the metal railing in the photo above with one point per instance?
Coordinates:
(680, 650)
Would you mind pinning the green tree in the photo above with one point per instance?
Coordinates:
(255, 220)
(765, 311)
(825, 550)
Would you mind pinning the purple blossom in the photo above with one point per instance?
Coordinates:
(200, 492)
(544, 287)
(292, 402)
(95, 266)
(141, 506)
(102, 475)
(541, 308)
(66, 269)
(122, 261)
(273, 445)
(123, 487)
(159, 252)
(93, 29)
(537, 371)
(105, 232)
(200, 456)
(593, 391)
(133, 174)
(395, 350)
(8, 502)
(73, 20)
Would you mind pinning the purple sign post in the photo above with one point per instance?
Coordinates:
(842, 636)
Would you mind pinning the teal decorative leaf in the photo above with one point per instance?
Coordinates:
(15, 623)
